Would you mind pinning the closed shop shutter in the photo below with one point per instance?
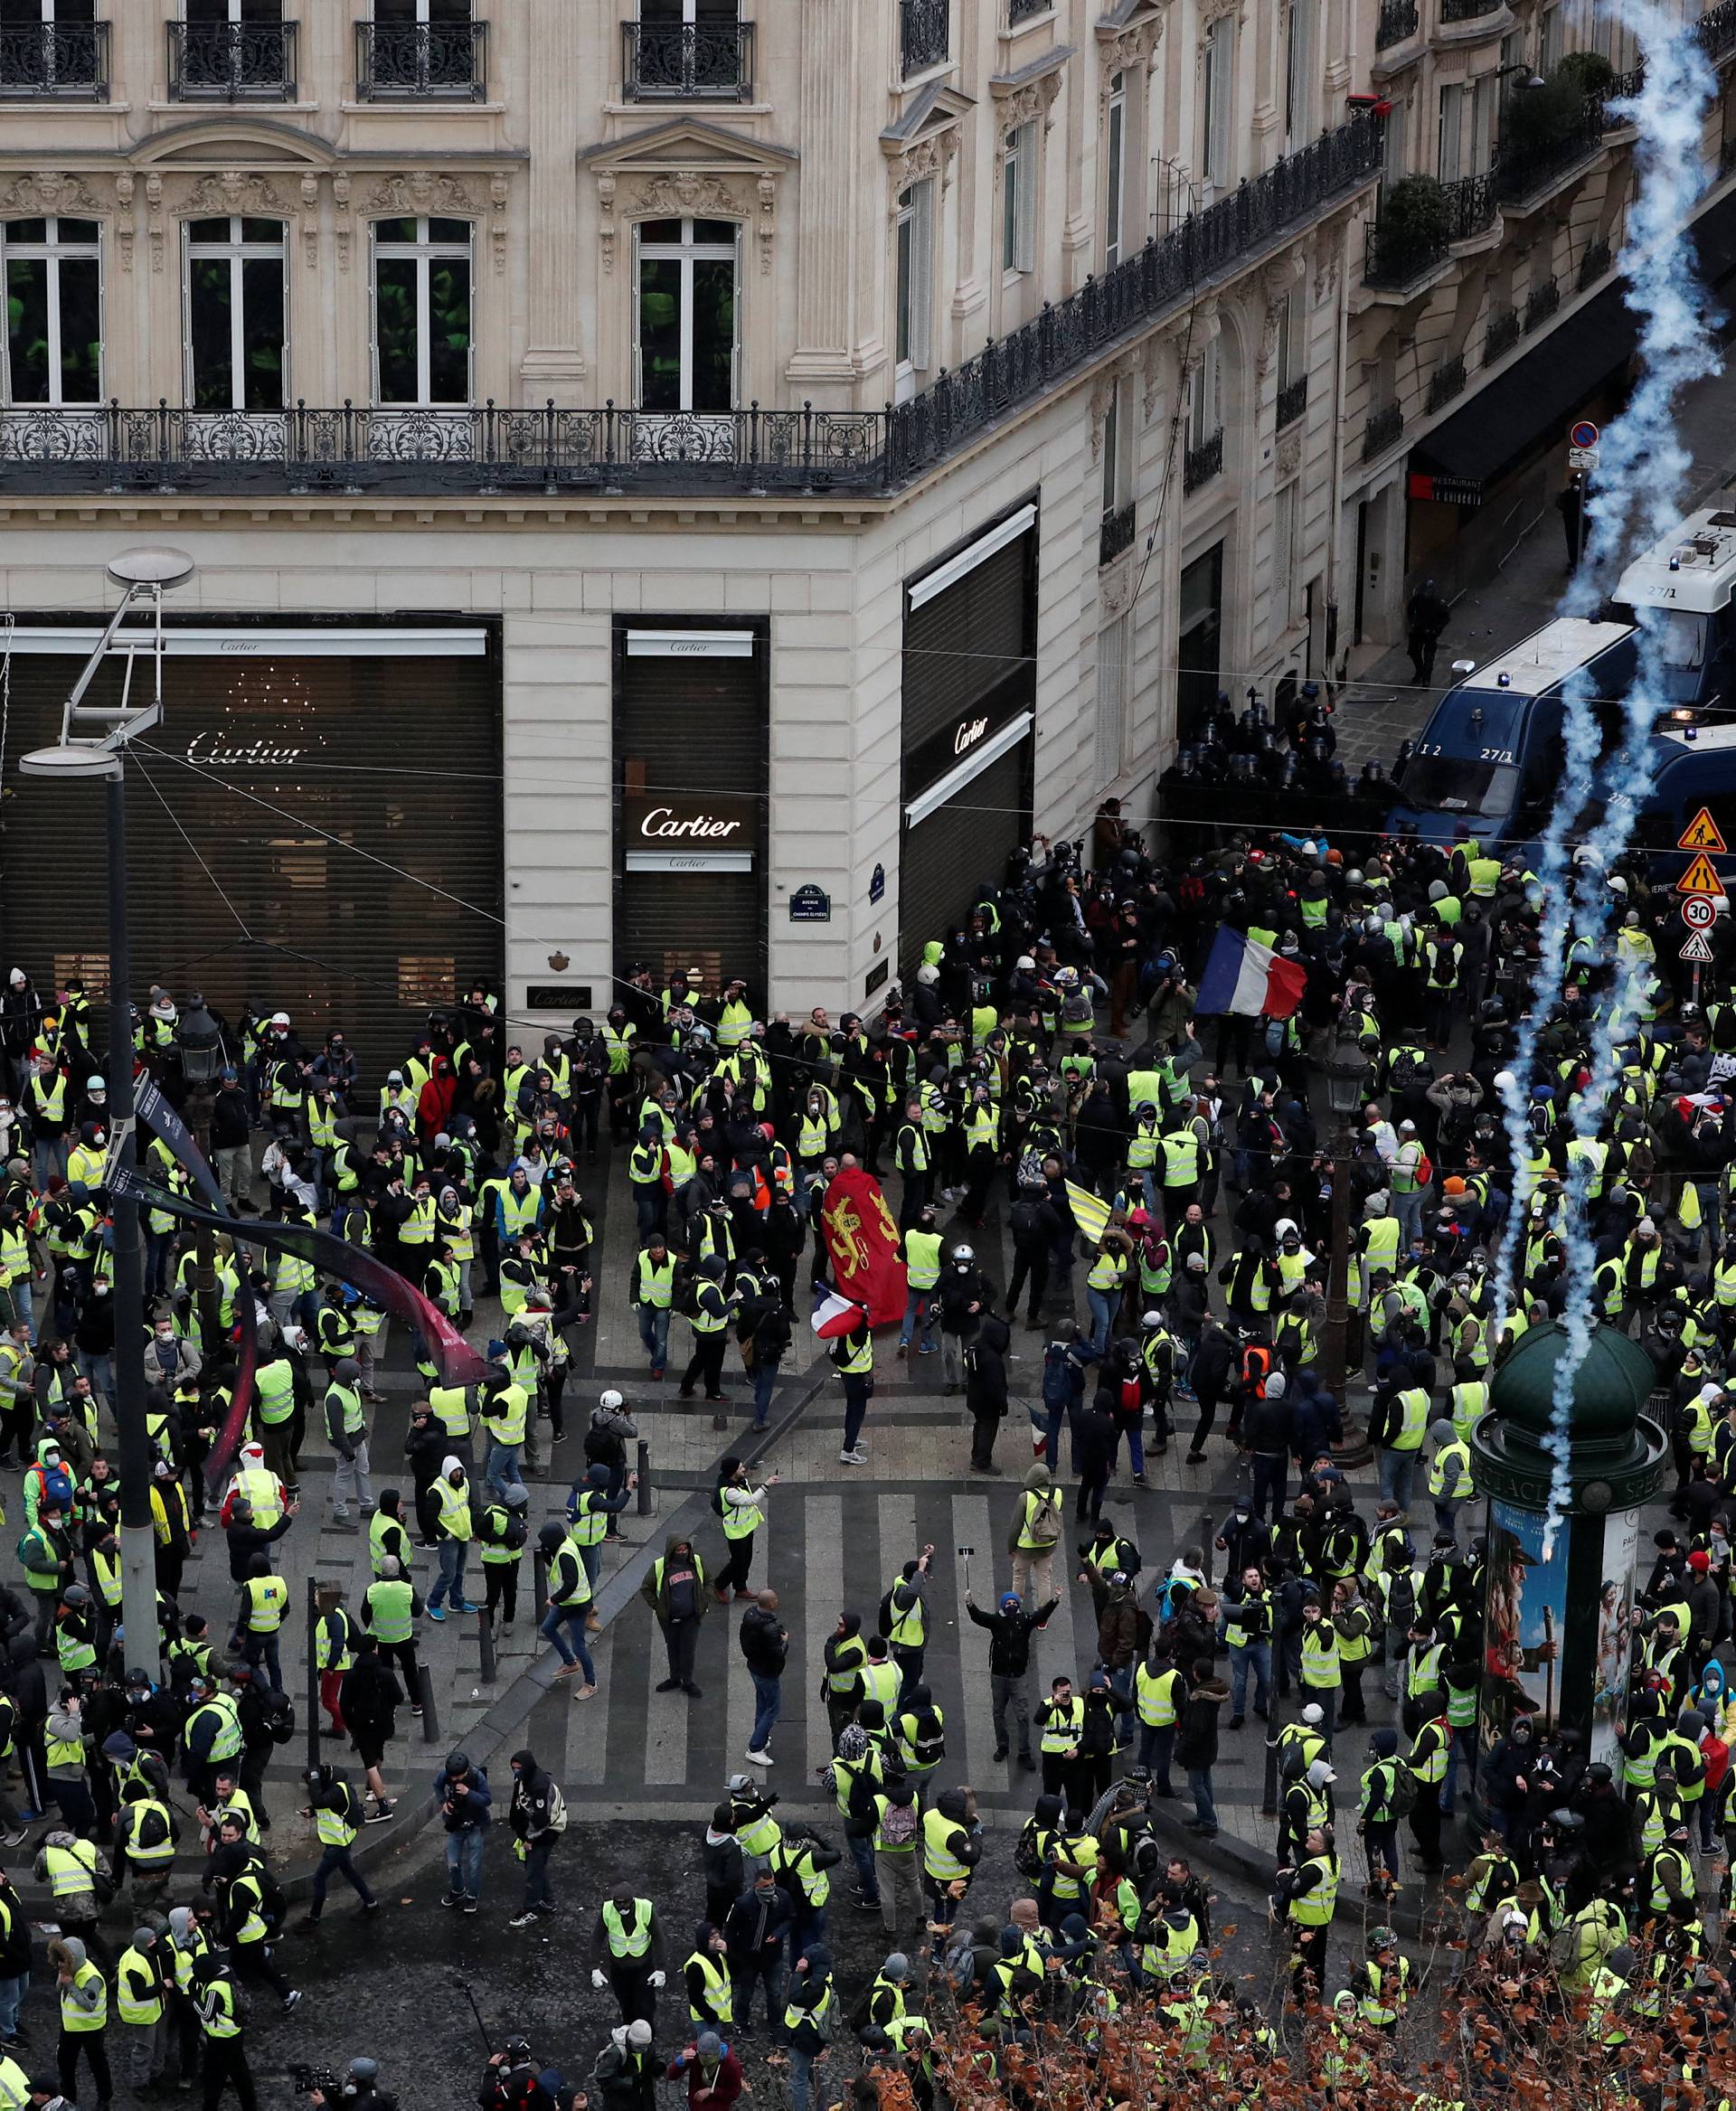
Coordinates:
(947, 857)
(264, 770)
(966, 642)
(691, 733)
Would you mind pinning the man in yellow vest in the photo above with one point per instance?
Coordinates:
(1449, 1474)
(84, 2017)
(346, 1424)
(1310, 1896)
(454, 1529)
(651, 1293)
(141, 2002)
(265, 1599)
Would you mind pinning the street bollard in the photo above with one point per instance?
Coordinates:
(431, 1721)
(539, 1583)
(313, 1672)
(486, 1641)
(645, 1478)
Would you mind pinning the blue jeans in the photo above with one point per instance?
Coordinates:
(100, 1371)
(654, 1332)
(801, 2067)
(464, 1863)
(1398, 1471)
(261, 1652)
(919, 1302)
(770, 1694)
(862, 1852)
(765, 1379)
(1134, 1433)
(1156, 1745)
(503, 1466)
(12, 1995)
(572, 1645)
(1102, 1304)
(450, 1582)
(1199, 1786)
(1242, 1654)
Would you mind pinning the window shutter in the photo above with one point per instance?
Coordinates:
(1111, 697)
(1027, 198)
(921, 271)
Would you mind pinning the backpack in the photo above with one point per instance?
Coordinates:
(1403, 1798)
(1026, 1859)
(1022, 1220)
(273, 1906)
(1030, 1171)
(1425, 1168)
(684, 1291)
(899, 1823)
(57, 1487)
(557, 1808)
(517, 1531)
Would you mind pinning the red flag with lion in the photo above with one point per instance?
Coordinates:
(864, 1243)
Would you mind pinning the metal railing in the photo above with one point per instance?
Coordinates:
(1397, 19)
(1447, 382)
(65, 59)
(421, 62)
(1542, 302)
(232, 61)
(1501, 335)
(1594, 263)
(1383, 430)
(1018, 11)
(1523, 173)
(1116, 535)
(1468, 10)
(687, 62)
(752, 449)
(924, 33)
(1292, 401)
(1396, 256)
(1200, 464)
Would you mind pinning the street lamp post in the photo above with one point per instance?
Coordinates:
(93, 740)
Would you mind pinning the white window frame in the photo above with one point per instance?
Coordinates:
(689, 12)
(234, 15)
(1486, 117)
(1552, 38)
(1298, 61)
(1292, 340)
(1217, 103)
(1205, 397)
(424, 250)
(421, 11)
(51, 250)
(1115, 171)
(1114, 651)
(1018, 229)
(1449, 142)
(237, 251)
(1118, 448)
(913, 285)
(687, 251)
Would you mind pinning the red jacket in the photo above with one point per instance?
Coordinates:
(716, 2093)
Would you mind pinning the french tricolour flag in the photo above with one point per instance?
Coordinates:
(1244, 976)
(833, 1316)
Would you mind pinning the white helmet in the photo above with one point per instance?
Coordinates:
(1025, 963)
(1284, 1227)
(1151, 1319)
(611, 1399)
(1066, 978)
(962, 1256)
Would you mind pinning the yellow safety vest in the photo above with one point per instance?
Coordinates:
(75, 2018)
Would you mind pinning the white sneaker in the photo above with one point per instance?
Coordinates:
(759, 1758)
(852, 1458)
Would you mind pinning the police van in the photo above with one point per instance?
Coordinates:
(1689, 575)
(1488, 763)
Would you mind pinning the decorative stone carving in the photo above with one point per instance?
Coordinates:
(49, 190)
(310, 220)
(421, 191)
(926, 160)
(124, 228)
(1290, 454)
(1102, 396)
(687, 193)
(606, 221)
(767, 190)
(1116, 588)
(1277, 282)
(497, 189)
(233, 191)
(1155, 358)
(342, 226)
(1132, 48)
(154, 226)
(1020, 106)
(1328, 257)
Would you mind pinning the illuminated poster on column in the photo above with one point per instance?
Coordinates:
(1527, 1608)
(1615, 1634)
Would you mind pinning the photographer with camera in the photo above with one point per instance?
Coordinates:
(512, 2081)
(359, 2089)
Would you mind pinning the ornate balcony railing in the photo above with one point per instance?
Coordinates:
(1116, 535)
(1397, 19)
(687, 62)
(1018, 11)
(232, 61)
(67, 61)
(1200, 464)
(421, 62)
(1523, 173)
(129, 448)
(1542, 302)
(1447, 382)
(1292, 401)
(925, 34)
(1594, 263)
(1468, 10)
(1385, 428)
(1501, 335)
(1397, 256)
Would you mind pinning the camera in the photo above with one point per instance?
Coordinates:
(323, 2078)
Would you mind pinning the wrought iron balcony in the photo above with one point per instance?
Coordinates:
(1447, 382)
(65, 61)
(1200, 464)
(421, 62)
(1468, 10)
(1385, 428)
(1501, 335)
(687, 62)
(130, 449)
(1523, 173)
(1542, 302)
(925, 34)
(1292, 401)
(1397, 19)
(232, 61)
(1398, 255)
(1594, 263)
(1115, 535)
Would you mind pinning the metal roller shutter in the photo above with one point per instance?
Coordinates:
(947, 856)
(690, 729)
(398, 756)
(966, 641)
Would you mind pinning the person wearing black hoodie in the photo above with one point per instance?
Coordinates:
(810, 2019)
(986, 1390)
(537, 1817)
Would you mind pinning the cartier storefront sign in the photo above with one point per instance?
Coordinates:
(688, 831)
